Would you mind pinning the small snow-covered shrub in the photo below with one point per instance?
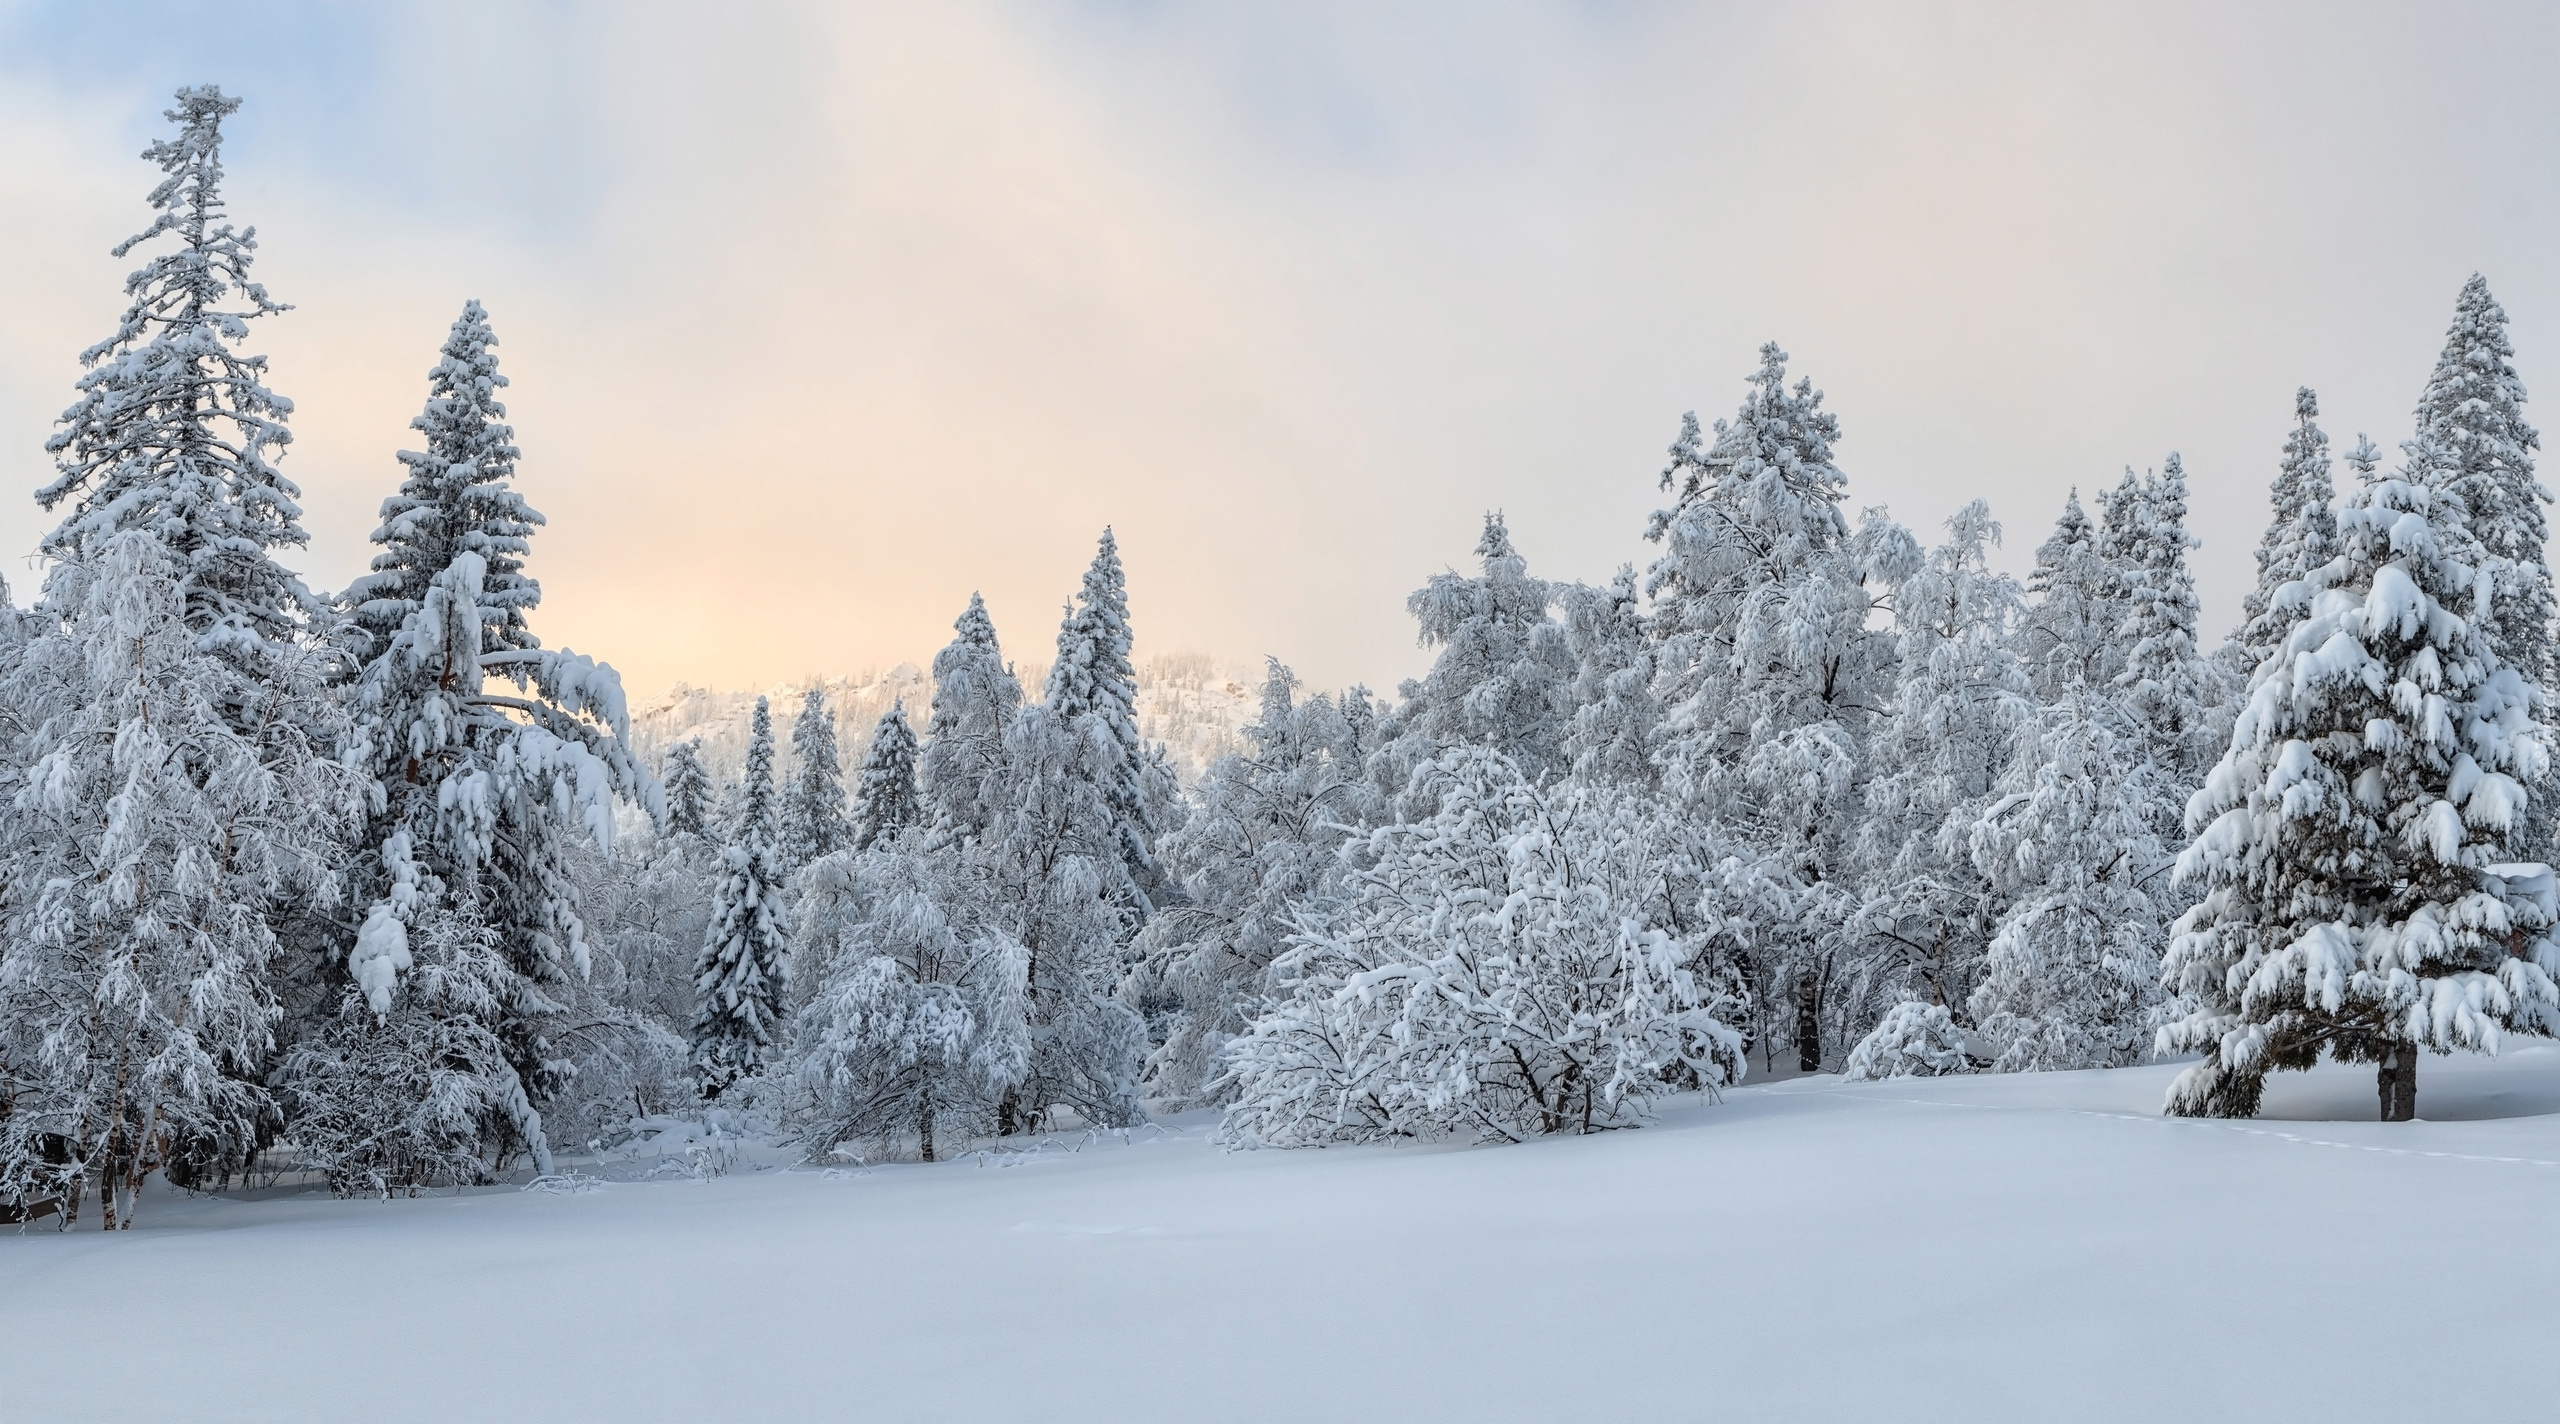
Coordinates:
(919, 1026)
(1508, 967)
(1915, 1040)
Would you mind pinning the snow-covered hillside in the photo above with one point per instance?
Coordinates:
(1194, 705)
(2031, 1247)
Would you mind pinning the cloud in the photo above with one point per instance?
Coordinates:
(819, 318)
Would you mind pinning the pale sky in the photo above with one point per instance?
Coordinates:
(820, 316)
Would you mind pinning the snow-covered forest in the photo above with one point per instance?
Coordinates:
(375, 889)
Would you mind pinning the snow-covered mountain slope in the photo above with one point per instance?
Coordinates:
(2033, 1247)
(1196, 706)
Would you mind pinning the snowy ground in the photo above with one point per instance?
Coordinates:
(2027, 1248)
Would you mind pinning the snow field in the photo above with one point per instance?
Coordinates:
(2025, 1247)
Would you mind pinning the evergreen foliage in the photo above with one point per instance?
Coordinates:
(886, 800)
(1092, 696)
(175, 433)
(745, 966)
(692, 803)
(2354, 842)
(815, 819)
(2303, 535)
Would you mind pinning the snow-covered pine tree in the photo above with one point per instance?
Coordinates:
(2302, 537)
(1509, 966)
(165, 816)
(886, 800)
(815, 819)
(975, 699)
(2353, 844)
(2473, 411)
(745, 966)
(175, 432)
(2071, 975)
(918, 1026)
(1259, 849)
(1093, 696)
(1504, 675)
(2069, 637)
(691, 801)
(1927, 910)
(1771, 667)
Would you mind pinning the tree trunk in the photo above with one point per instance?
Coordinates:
(2396, 1082)
(1808, 1023)
(924, 1127)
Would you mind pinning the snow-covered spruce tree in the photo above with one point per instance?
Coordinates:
(490, 751)
(1504, 675)
(175, 432)
(2167, 683)
(2353, 843)
(1093, 696)
(2071, 976)
(886, 800)
(691, 801)
(1927, 910)
(1771, 669)
(1508, 966)
(1258, 850)
(2302, 537)
(1046, 873)
(166, 813)
(1616, 712)
(2069, 634)
(816, 822)
(919, 1026)
(2473, 411)
(456, 498)
(745, 966)
(975, 699)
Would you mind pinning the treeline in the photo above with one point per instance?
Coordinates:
(335, 882)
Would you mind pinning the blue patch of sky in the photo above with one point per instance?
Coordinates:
(497, 130)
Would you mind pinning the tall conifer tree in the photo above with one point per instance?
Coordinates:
(744, 969)
(2353, 844)
(886, 800)
(815, 821)
(1092, 696)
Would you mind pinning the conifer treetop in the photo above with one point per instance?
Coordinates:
(456, 497)
(174, 430)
